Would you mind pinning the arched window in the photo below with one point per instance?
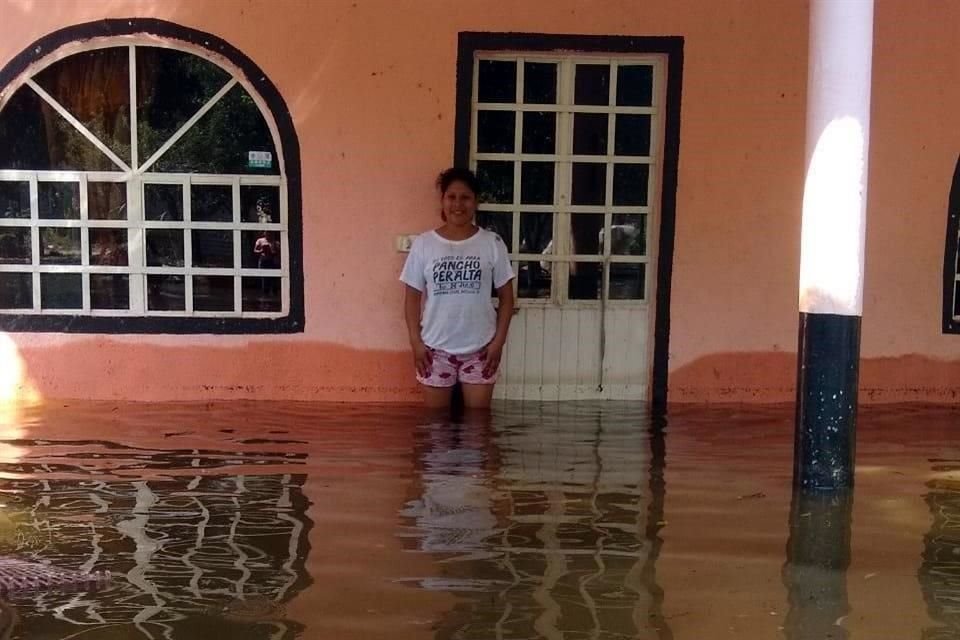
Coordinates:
(951, 260)
(146, 185)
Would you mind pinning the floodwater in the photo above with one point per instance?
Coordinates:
(243, 520)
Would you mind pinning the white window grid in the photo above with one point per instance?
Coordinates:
(564, 158)
(135, 177)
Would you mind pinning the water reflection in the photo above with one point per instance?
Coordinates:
(815, 574)
(940, 570)
(546, 525)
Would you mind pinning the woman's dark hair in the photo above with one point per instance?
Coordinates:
(458, 174)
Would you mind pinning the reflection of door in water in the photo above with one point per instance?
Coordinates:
(567, 149)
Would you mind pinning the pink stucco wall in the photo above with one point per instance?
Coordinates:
(370, 85)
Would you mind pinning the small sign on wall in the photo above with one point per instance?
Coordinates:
(259, 160)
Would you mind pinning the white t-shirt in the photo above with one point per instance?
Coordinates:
(457, 278)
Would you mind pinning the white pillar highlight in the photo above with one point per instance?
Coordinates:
(838, 141)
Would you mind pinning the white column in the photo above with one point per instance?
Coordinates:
(838, 137)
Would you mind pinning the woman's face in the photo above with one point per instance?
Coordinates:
(459, 204)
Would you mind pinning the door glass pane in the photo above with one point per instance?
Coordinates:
(627, 281)
(211, 203)
(61, 291)
(94, 87)
(108, 247)
(163, 202)
(585, 280)
(539, 132)
(628, 234)
(59, 200)
(261, 249)
(589, 183)
(165, 293)
(540, 83)
(14, 199)
(536, 183)
(586, 230)
(261, 294)
(164, 247)
(590, 133)
(59, 245)
(536, 233)
(107, 200)
(16, 290)
(213, 293)
(212, 249)
(260, 204)
(534, 279)
(495, 131)
(497, 81)
(496, 181)
(633, 135)
(635, 85)
(15, 245)
(109, 291)
(630, 182)
(498, 222)
(592, 84)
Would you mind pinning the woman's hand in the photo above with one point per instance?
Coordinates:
(422, 359)
(491, 355)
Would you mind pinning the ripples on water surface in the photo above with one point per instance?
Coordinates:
(324, 521)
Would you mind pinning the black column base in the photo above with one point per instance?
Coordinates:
(828, 365)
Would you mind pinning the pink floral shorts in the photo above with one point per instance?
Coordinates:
(447, 369)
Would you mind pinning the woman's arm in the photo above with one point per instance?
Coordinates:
(411, 312)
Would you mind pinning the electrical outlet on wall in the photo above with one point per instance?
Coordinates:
(404, 242)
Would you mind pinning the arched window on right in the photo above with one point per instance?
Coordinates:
(951, 259)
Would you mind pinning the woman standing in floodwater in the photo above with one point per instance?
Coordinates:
(456, 332)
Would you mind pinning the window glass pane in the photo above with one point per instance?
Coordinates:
(633, 135)
(539, 132)
(536, 233)
(497, 81)
(163, 202)
(586, 230)
(589, 183)
(496, 181)
(635, 85)
(108, 247)
(495, 131)
(536, 183)
(630, 184)
(956, 300)
(14, 199)
(94, 87)
(628, 235)
(164, 247)
(500, 223)
(59, 245)
(36, 137)
(261, 249)
(59, 200)
(590, 133)
(534, 278)
(213, 293)
(627, 281)
(222, 140)
(592, 84)
(15, 246)
(165, 293)
(212, 248)
(16, 290)
(585, 281)
(540, 83)
(61, 291)
(211, 203)
(260, 204)
(107, 200)
(109, 291)
(171, 87)
(261, 294)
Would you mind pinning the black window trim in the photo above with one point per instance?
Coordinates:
(294, 321)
